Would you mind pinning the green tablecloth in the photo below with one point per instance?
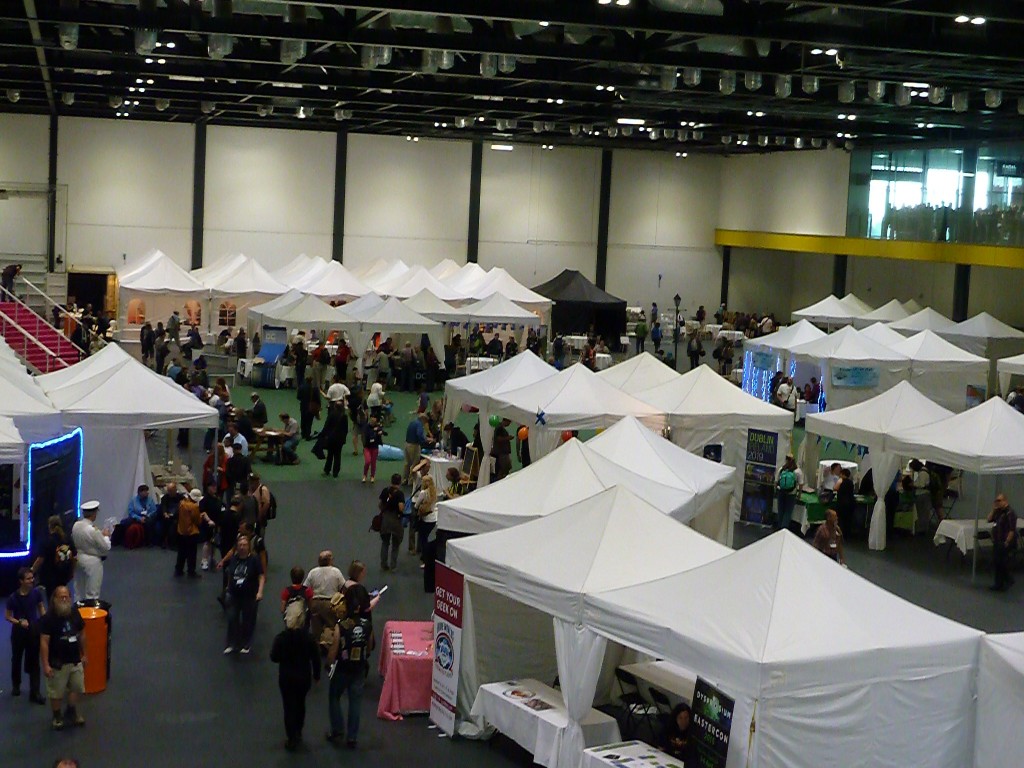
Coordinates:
(816, 508)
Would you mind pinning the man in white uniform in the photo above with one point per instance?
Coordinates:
(93, 546)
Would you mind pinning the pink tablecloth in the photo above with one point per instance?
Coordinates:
(406, 675)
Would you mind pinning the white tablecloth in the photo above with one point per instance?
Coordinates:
(602, 360)
(803, 408)
(666, 677)
(825, 465)
(284, 373)
(474, 364)
(439, 465)
(712, 330)
(961, 532)
(732, 336)
(507, 707)
(628, 754)
(575, 342)
(691, 326)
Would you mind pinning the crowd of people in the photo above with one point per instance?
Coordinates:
(993, 225)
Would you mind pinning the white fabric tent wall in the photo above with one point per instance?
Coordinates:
(638, 374)
(830, 311)
(162, 286)
(988, 337)
(765, 356)
(942, 371)
(1000, 701)
(887, 313)
(1007, 368)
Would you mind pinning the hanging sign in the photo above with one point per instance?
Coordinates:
(759, 477)
(855, 377)
(444, 686)
(712, 724)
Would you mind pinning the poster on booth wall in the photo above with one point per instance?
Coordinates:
(444, 686)
(759, 477)
(855, 377)
(975, 395)
(712, 724)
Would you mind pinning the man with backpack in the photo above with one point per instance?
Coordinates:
(789, 482)
(348, 660)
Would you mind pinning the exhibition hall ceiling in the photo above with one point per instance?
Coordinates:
(672, 75)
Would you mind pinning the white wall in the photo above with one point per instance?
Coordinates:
(269, 194)
(800, 192)
(406, 200)
(129, 189)
(878, 281)
(662, 223)
(539, 210)
(24, 163)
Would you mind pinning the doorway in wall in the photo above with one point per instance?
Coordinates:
(91, 288)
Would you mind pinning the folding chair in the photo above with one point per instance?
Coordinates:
(661, 701)
(638, 711)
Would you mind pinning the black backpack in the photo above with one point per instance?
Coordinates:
(272, 509)
(356, 640)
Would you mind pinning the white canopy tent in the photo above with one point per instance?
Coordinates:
(430, 305)
(912, 306)
(887, 313)
(517, 578)
(383, 272)
(1000, 701)
(765, 356)
(308, 312)
(114, 397)
(363, 306)
(280, 304)
(500, 281)
(943, 372)
(883, 334)
(241, 283)
(499, 309)
(638, 374)
(444, 269)
(856, 304)
(219, 266)
(926, 319)
(332, 281)
(704, 410)
(986, 440)
(830, 311)
(1007, 368)
(390, 317)
(571, 399)
(686, 487)
(986, 336)
(155, 288)
(469, 276)
(869, 424)
(12, 443)
(139, 263)
(853, 368)
(418, 279)
(24, 401)
(820, 661)
(298, 268)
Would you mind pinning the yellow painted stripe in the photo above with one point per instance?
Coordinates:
(945, 253)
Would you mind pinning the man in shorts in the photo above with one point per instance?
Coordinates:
(62, 648)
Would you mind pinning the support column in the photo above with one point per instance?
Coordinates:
(603, 213)
(475, 173)
(198, 195)
(961, 292)
(839, 275)
(340, 171)
(726, 263)
(51, 199)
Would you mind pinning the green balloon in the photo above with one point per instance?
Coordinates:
(495, 420)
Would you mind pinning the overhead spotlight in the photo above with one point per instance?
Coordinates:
(506, 63)
(742, 138)
(762, 141)
(293, 50)
(13, 95)
(753, 81)
(654, 134)
(574, 129)
(993, 98)
(538, 126)
(207, 106)
(727, 82)
(831, 51)
(162, 104)
(902, 96)
(146, 40)
(698, 135)
(681, 154)
(691, 76)
(627, 131)
(488, 65)
(798, 142)
(683, 135)
(960, 101)
(783, 86)
(67, 33)
(763, 47)
(669, 133)
(667, 78)
(817, 51)
(115, 102)
(265, 110)
(549, 126)
(876, 90)
(447, 60)
(780, 141)
(936, 94)
(727, 139)
(612, 131)
(67, 98)
(219, 46)
(848, 91)
(810, 84)
(430, 61)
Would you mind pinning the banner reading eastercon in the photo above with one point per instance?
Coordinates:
(444, 686)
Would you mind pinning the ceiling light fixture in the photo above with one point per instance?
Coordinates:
(667, 78)
(798, 142)
(960, 101)
(902, 95)
(993, 98)
(161, 61)
(161, 104)
(265, 110)
(978, 21)
(630, 121)
(208, 106)
(817, 51)
(698, 135)
(691, 76)
(502, 147)
(727, 82)
(682, 154)
(506, 63)
(936, 94)
(783, 86)
(848, 91)
(115, 102)
(876, 90)
(962, 19)
(146, 40)
(810, 84)
(753, 81)
(488, 65)
(68, 98)
(831, 51)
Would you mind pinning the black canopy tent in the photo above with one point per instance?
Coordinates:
(578, 304)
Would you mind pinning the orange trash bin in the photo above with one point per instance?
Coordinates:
(97, 648)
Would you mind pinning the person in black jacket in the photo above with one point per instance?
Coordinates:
(334, 434)
(298, 660)
(677, 740)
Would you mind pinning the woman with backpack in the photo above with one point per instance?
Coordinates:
(348, 660)
(298, 660)
(789, 482)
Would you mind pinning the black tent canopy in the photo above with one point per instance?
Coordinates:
(579, 304)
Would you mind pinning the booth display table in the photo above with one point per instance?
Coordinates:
(733, 336)
(273, 439)
(628, 754)
(534, 716)
(803, 408)
(575, 343)
(960, 533)
(711, 330)
(440, 463)
(283, 374)
(602, 360)
(809, 510)
(666, 677)
(474, 364)
(406, 664)
(691, 326)
(825, 465)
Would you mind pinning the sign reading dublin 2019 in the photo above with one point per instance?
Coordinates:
(712, 723)
(759, 476)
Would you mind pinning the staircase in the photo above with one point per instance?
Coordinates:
(36, 342)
